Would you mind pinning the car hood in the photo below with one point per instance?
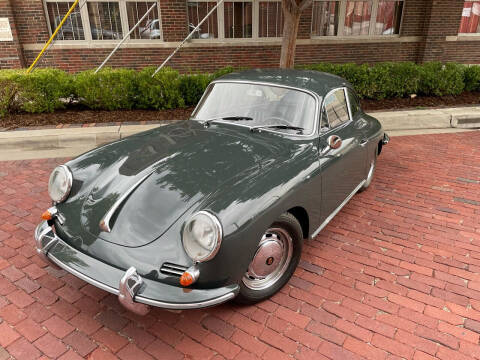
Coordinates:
(162, 173)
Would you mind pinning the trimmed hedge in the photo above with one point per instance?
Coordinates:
(46, 90)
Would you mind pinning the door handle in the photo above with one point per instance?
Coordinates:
(363, 142)
(333, 142)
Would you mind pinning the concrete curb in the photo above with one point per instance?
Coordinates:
(67, 138)
(464, 118)
(410, 121)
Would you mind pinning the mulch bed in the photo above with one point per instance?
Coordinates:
(82, 117)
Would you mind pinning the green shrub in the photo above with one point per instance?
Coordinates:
(8, 91)
(109, 89)
(160, 92)
(437, 79)
(44, 90)
(192, 87)
(472, 78)
(223, 71)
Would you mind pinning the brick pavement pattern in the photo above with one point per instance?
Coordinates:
(395, 275)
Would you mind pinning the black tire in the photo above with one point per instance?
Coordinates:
(290, 225)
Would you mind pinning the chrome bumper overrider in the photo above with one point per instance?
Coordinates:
(134, 292)
(385, 139)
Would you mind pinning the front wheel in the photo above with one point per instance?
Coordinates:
(274, 261)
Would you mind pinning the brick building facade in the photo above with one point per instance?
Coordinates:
(426, 30)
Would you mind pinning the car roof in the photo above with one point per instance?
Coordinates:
(315, 81)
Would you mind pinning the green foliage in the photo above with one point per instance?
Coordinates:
(192, 87)
(109, 89)
(223, 71)
(46, 90)
(160, 92)
(437, 79)
(472, 78)
(8, 91)
(381, 81)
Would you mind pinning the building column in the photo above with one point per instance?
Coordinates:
(442, 19)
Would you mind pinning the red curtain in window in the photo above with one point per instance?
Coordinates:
(470, 17)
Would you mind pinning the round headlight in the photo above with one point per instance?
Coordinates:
(60, 183)
(202, 236)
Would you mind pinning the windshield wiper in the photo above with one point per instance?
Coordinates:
(279, 126)
(229, 118)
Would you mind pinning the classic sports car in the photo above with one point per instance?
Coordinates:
(201, 211)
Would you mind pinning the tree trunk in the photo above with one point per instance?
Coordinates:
(290, 31)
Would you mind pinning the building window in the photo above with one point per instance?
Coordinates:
(105, 20)
(325, 16)
(270, 19)
(356, 17)
(470, 23)
(196, 11)
(72, 29)
(150, 27)
(238, 19)
(389, 17)
(105, 23)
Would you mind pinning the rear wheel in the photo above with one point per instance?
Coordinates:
(274, 262)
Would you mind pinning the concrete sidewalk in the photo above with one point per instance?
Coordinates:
(48, 143)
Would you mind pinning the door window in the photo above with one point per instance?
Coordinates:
(336, 108)
(354, 102)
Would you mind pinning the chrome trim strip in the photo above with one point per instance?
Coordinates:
(315, 96)
(335, 212)
(173, 266)
(105, 222)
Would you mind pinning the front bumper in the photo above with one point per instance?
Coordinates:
(134, 292)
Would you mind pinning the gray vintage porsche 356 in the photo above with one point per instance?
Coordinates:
(201, 211)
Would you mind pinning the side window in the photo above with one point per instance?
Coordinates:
(336, 108)
(354, 102)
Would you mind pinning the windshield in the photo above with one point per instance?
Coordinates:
(258, 105)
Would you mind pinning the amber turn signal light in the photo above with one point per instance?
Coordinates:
(186, 279)
(190, 276)
(47, 215)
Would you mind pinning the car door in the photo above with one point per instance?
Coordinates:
(342, 155)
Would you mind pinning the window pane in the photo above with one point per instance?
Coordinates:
(270, 19)
(196, 12)
(336, 108)
(149, 28)
(266, 105)
(353, 100)
(470, 18)
(238, 19)
(105, 22)
(72, 29)
(325, 16)
(389, 16)
(357, 18)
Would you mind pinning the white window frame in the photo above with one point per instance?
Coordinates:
(122, 4)
(371, 29)
(221, 22)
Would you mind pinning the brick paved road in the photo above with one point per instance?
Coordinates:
(395, 275)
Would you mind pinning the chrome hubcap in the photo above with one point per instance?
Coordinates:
(270, 261)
